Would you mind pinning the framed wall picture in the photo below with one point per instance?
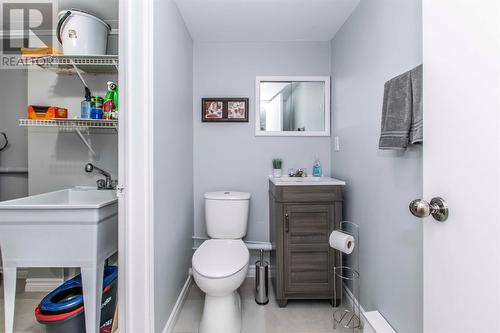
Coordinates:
(224, 109)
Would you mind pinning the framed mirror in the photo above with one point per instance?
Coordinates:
(292, 106)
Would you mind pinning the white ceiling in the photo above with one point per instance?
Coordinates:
(265, 20)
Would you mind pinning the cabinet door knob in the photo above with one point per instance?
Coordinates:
(287, 223)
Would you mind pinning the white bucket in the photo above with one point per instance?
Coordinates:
(81, 33)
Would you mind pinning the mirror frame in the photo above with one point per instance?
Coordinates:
(325, 79)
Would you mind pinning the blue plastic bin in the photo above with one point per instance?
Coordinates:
(62, 310)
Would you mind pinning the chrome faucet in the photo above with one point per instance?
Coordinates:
(102, 184)
(300, 172)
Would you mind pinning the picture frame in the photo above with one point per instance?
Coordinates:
(232, 110)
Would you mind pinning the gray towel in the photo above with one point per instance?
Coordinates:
(402, 121)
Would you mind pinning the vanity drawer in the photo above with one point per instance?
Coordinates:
(307, 224)
(323, 193)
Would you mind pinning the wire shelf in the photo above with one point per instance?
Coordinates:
(81, 127)
(66, 64)
(69, 123)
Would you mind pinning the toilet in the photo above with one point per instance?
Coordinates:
(220, 264)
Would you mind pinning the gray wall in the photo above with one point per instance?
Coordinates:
(383, 38)
(229, 156)
(13, 99)
(173, 164)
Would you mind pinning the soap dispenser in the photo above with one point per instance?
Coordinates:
(317, 169)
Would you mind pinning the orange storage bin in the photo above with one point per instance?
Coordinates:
(46, 112)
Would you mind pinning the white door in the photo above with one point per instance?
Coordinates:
(461, 164)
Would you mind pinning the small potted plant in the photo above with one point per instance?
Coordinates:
(277, 163)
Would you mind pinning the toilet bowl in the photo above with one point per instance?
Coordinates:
(219, 268)
(220, 264)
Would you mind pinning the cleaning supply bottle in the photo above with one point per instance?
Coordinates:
(96, 107)
(112, 95)
(115, 99)
(86, 106)
(107, 109)
(317, 172)
(109, 105)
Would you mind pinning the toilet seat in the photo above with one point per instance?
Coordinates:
(220, 258)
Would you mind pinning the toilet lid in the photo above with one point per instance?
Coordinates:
(220, 258)
(227, 195)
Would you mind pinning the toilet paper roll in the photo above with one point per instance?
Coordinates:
(342, 242)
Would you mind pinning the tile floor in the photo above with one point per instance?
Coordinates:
(25, 310)
(297, 317)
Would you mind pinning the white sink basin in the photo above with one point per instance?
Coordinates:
(77, 197)
(75, 205)
(305, 181)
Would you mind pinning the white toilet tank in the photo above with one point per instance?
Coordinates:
(226, 214)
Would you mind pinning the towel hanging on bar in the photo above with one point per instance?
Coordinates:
(402, 111)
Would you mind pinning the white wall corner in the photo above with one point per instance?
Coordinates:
(136, 173)
(174, 315)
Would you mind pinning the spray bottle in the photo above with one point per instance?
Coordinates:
(85, 112)
(109, 101)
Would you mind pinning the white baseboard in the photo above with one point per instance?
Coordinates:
(174, 315)
(42, 284)
(373, 321)
(378, 322)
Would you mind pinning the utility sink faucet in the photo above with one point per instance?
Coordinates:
(102, 184)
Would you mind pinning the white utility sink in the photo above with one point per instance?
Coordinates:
(76, 227)
(305, 181)
(76, 197)
(76, 205)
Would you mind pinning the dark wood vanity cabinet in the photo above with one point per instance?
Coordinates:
(301, 220)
